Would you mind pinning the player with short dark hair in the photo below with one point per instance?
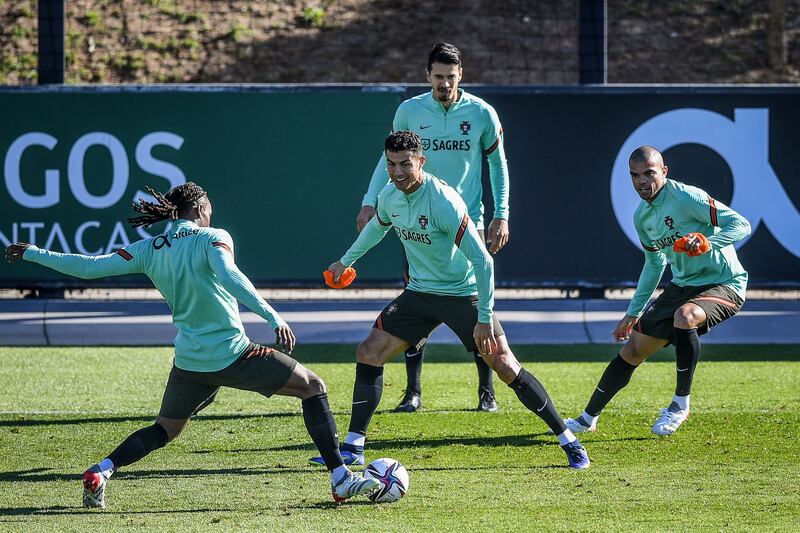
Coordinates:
(458, 130)
(452, 282)
(687, 228)
(192, 266)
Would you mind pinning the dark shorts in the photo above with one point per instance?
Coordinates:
(413, 316)
(720, 302)
(259, 369)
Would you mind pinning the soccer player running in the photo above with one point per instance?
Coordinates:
(193, 267)
(708, 285)
(452, 282)
(457, 129)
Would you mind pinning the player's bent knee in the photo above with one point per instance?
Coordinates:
(630, 355)
(172, 426)
(688, 316)
(315, 385)
(367, 354)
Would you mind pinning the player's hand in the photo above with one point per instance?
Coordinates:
(497, 235)
(284, 338)
(15, 251)
(364, 215)
(484, 338)
(623, 330)
(693, 244)
(338, 269)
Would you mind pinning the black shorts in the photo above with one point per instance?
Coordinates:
(720, 302)
(259, 369)
(413, 316)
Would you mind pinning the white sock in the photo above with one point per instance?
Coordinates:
(356, 439)
(682, 401)
(589, 418)
(106, 467)
(338, 472)
(566, 437)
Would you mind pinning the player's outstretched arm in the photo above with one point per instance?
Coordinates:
(78, 265)
(370, 236)
(654, 265)
(239, 285)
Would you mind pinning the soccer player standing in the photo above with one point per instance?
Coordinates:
(452, 282)
(708, 285)
(457, 129)
(193, 267)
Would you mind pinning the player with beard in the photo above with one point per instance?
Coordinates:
(687, 228)
(452, 283)
(458, 130)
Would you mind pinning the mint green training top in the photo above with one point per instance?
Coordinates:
(678, 210)
(194, 269)
(454, 141)
(444, 251)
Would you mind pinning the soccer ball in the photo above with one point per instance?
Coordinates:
(392, 475)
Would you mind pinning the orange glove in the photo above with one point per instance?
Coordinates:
(345, 280)
(680, 245)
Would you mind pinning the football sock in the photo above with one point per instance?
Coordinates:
(589, 419)
(566, 437)
(139, 444)
(533, 396)
(681, 401)
(617, 374)
(367, 392)
(106, 467)
(338, 472)
(355, 439)
(484, 374)
(414, 359)
(687, 352)
(321, 427)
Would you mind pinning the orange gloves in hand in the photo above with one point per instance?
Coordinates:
(681, 246)
(345, 280)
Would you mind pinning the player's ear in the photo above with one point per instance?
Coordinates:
(666, 170)
(422, 160)
(428, 75)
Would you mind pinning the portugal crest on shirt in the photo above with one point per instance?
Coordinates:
(669, 222)
(423, 221)
(465, 127)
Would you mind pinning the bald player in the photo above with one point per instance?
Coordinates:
(707, 287)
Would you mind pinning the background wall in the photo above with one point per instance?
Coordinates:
(286, 168)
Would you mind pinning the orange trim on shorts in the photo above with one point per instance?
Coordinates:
(721, 301)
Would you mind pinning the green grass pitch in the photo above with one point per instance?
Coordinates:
(241, 465)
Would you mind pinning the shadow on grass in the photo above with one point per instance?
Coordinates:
(112, 419)
(56, 510)
(557, 353)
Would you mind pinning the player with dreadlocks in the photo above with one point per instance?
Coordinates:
(193, 267)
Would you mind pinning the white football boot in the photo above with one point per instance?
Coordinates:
(579, 425)
(94, 489)
(352, 484)
(670, 419)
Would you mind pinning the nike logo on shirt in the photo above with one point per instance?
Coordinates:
(424, 127)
